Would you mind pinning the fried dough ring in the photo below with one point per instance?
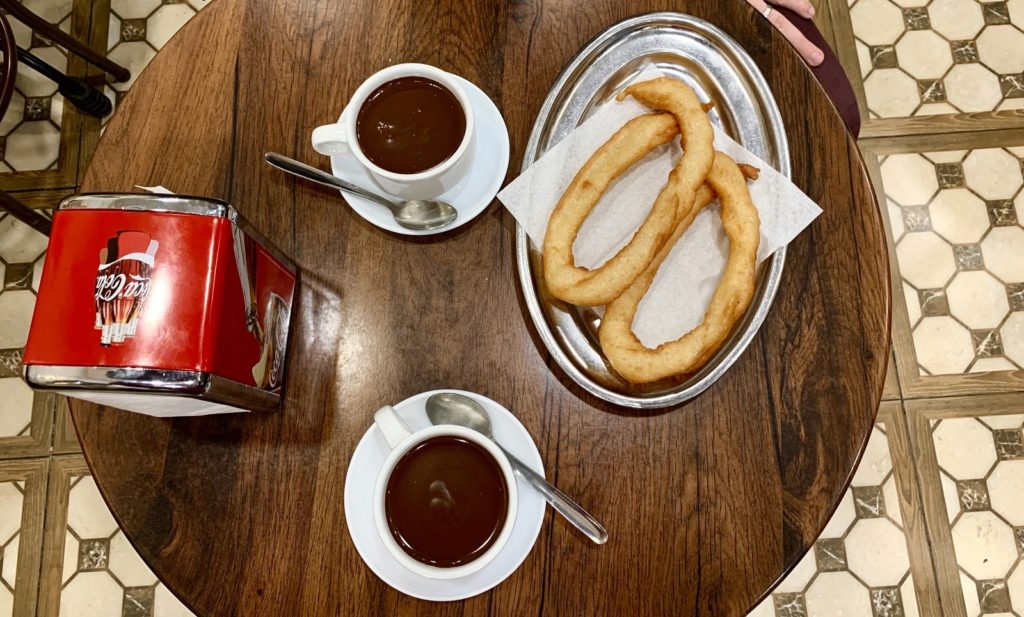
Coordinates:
(632, 142)
(625, 352)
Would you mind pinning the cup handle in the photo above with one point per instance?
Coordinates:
(329, 139)
(393, 428)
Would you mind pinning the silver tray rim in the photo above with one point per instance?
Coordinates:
(775, 264)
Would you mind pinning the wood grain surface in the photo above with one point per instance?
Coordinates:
(707, 504)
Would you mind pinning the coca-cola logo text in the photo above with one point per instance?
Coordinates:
(112, 286)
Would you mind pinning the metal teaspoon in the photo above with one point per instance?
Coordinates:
(452, 408)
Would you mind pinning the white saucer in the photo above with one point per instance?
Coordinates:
(470, 196)
(362, 476)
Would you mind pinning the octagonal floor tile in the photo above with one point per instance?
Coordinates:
(964, 448)
(924, 54)
(876, 551)
(972, 87)
(959, 216)
(1006, 491)
(909, 179)
(942, 345)
(925, 260)
(993, 173)
(877, 22)
(837, 594)
(984, 544)
(977, 299)
(1003, 251)
(891, 93)
(956, 20)
(1001, 48)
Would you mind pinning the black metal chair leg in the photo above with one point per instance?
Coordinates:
(77, 92)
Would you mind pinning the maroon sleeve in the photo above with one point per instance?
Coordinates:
(829, 73)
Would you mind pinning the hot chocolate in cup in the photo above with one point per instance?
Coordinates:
(411, 126)
(445, 500)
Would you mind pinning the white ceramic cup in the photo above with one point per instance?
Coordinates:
(401, 439)
(339, 139)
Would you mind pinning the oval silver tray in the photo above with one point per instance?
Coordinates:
(719, 70)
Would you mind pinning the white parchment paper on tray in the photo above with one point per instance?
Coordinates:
(681, 291)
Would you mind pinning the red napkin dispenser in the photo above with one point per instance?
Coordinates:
(161, 304)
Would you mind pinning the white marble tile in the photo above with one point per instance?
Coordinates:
(895, 219)
(909, 179)
(11, 501)
(70, 559)
(33, 146)
(15, 408)
(949, 496)
(925, 260)
(133, 9)
(91, 594)
(19, 243)
(942, 345)
(841, 518)
(126, 564)
(9, 572)
(1018, 206)
(876, 551)
(165, 604)
(1003, 250)
(993, 173)
(88, 515)
(909, 596)
(913, 304)
(875, 464)
(31, 83)
(970, 593)
(972, 87)
(134, 56)
(6, 602)
(891, 93)
(800, 575)
(1013, 337)
(964, 448)
(985, 546)
(166, 21)
(837, 594)
(15, 112)
(863, 57)
(945, 156)
(959, 216)
(1010, 104)
(1001, 48)
(935, 109)
(113, 31)
(765, 609)
(876, 22)
(977, 299)
(956, 20)
(1010, 421)
(991, 365)
(53, 11)
(924, 54)
(892, 502)
(1015, 584)
(1006, 490)
(15, 315)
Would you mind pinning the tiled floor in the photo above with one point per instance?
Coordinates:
(937, 57)
(933, 523)
(955, 217)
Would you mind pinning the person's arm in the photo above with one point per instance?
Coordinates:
(811, 54)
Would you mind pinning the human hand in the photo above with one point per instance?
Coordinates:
(810, 52)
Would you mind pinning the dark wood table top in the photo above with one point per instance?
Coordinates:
(707, 505)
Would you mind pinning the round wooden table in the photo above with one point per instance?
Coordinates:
(707, 505)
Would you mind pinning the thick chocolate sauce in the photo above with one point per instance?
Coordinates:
(410, 124)
(446, 501)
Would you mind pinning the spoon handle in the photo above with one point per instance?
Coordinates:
(572, 511)
(313, 174)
